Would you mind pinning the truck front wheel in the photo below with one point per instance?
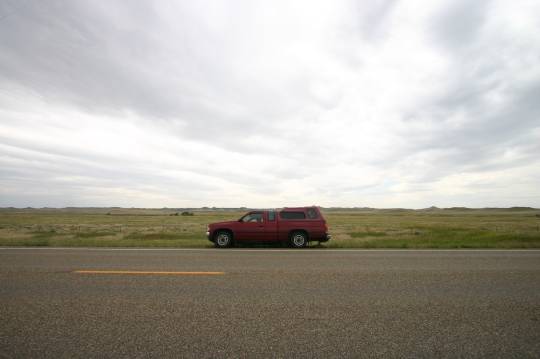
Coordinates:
(223, 239)
(298, 240)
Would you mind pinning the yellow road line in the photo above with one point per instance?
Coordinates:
(144, 272)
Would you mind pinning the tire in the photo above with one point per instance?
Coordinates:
(223, 239)
(298, 239)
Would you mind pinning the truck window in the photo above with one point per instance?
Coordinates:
(311, 213)
(253, 217)
(271, 215)
(292, 215)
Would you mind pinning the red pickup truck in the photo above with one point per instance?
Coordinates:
(293, 226)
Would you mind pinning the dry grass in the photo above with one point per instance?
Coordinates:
(350, 229)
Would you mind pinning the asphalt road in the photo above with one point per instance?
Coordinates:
(269, 303)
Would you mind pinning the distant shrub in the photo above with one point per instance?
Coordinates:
(185, 213)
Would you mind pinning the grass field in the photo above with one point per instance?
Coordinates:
(438, 228)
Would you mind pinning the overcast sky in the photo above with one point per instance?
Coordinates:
(269, 103)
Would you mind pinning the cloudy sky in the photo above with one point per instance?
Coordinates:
(269, 103)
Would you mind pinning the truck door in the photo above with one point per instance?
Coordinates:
(271, 226)
(251, 227)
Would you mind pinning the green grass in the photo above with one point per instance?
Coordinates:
(164, 236)
(459, 239)
(367, 234)
(456, 228)
(94, 234)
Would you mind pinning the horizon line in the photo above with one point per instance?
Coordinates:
(258, 208)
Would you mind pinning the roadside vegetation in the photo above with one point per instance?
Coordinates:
(361, 228)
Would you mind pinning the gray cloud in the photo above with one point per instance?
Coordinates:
(459, 22)
(151, 104)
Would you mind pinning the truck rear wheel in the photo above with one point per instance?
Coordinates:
(223, 239)
(298, 239)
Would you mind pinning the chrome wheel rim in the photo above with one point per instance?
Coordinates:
(222, 240)
(299, 240)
